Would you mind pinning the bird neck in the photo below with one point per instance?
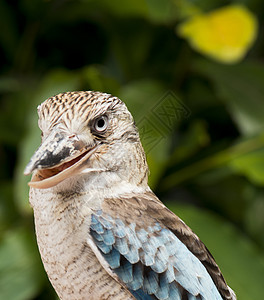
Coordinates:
(89, 190)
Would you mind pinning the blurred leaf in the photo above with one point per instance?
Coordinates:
(154, 10)
(225, 157)
(34, 9)
(125, 8)
(8, 37)
(253, 219)
(187, 8)
(224, 34)
(98, 79)
(13, 108)
(242, 89)
(252, 165)
(203, 6)
(55, 82)
(21, 275)
(8, 84)
(222, 191)
(8, 213)
(193, 139)
(238, 258)
(129, 60)
(161, 11)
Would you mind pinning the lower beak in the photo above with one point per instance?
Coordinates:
(59, 157)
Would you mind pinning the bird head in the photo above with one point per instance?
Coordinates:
(85, 133)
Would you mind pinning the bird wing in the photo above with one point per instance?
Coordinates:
(152, 252)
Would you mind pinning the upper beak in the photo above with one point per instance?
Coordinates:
(60, 156)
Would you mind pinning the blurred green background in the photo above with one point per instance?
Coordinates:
(197, 97)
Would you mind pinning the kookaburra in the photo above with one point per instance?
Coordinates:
(101, 232)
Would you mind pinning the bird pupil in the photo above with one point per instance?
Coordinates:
(100, 123)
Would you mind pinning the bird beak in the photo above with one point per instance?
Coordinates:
(60, 156)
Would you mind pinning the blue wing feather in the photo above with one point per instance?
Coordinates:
(151, 261)
(125, 271)
(113, 258)
(140, 295)
(108, 237)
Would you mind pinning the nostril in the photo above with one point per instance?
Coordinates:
(72, 136)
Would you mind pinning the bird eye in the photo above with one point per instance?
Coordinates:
(101, 124)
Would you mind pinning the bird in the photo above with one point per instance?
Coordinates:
(101, 231)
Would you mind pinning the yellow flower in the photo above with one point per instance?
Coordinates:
(224, 34)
